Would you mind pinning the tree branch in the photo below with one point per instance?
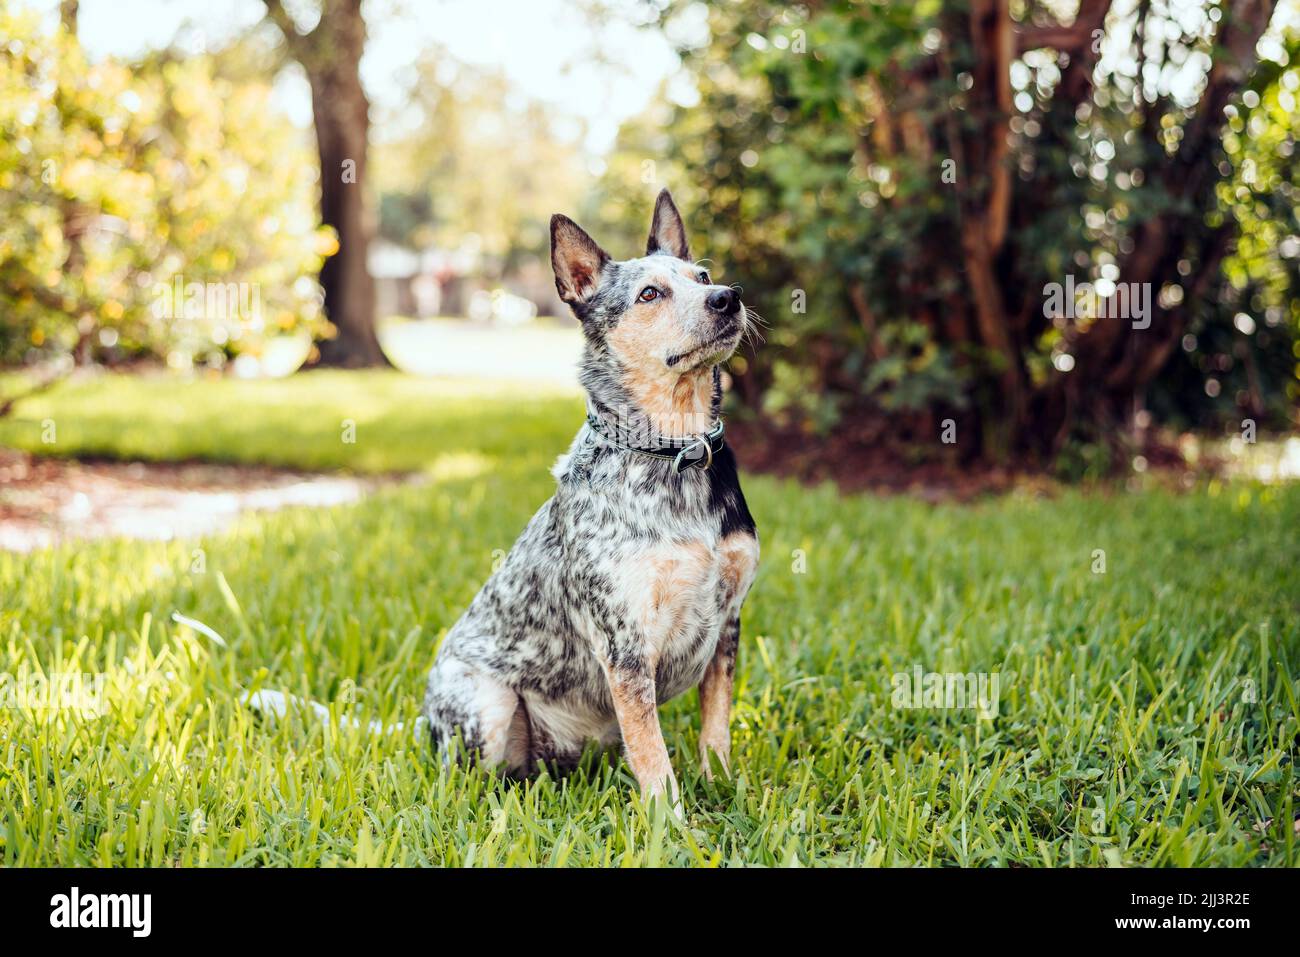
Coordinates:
(1109, 351)
(1243, 25)
(293, 38)
(1076, 38)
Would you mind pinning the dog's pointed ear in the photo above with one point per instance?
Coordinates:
(576, 259)
(667, 231)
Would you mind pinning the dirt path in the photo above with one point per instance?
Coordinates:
(47, 501)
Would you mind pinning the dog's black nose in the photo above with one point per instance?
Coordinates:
(724, 301)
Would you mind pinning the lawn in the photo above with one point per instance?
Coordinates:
(1147, 715)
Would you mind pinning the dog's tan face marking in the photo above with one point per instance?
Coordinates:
(668, 340)
(656, 326)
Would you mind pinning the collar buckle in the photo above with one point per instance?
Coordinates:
(698, 453)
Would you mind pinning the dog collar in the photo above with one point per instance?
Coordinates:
(685, 452)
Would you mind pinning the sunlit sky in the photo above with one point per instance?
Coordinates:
(543, 46)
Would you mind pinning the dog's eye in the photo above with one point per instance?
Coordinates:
(704, 278)
(648, 294)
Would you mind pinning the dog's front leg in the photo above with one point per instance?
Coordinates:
(715, 700)
(739, 553)
(633, 690)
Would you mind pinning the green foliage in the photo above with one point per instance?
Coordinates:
(777, 191)
(1147, 715)
(1248, 342)
(118, 179)
(824, 159)
(914, 372)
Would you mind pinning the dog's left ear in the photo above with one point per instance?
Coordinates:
(667, 232)
(577, 260)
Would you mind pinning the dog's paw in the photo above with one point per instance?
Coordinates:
(715, 755)
(665, 793)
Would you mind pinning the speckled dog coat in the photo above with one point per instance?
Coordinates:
(625, 588)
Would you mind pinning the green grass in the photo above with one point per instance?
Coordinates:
(1147, 716)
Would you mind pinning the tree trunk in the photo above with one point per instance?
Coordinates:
(76, 219)
(331, 56)
(340, 111)
(981, 151)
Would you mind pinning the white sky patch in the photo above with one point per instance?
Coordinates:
(548, 49)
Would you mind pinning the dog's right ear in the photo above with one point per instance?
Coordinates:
(576, 259)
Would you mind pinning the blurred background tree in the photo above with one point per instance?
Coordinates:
(474, 160)
(117, 181)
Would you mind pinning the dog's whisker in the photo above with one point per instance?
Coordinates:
(753, 331)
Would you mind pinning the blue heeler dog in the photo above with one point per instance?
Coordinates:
(625, 588)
